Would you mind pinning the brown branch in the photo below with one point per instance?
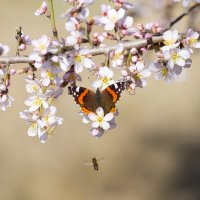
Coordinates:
(14, 60)
(177, 19)
(94, 51)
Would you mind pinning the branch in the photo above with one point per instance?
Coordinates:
(94, 51)
(14, 60)
(177, 19)
(52, 18)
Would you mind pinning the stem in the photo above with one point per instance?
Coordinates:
(172, 23)
(52, 18)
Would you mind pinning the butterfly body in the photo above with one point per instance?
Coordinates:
(89, 101)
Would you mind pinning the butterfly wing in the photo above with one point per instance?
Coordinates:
(111, 95)
(84, 97)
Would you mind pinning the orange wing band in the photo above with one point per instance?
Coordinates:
(85, 110)
(114, 95)
(80, 99)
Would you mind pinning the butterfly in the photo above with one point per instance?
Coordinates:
(89, 101)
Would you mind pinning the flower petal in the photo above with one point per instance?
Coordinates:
(109, 116)
(105, 125)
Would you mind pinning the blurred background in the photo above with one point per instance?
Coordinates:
(153, 154)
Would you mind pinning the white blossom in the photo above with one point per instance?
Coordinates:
(99, 120)
(105, 76)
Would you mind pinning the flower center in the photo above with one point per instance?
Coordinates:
(100, 120)
(164, 71)
(116, 56)
(105, 80)
(37, 102)
(168, 42)
(35, 88)
(175, 56)
(50, 75)
(78, 58)
(192, 41)
(42, 47)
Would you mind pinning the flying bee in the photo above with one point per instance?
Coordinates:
(95, 163)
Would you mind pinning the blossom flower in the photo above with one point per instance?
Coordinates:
(163, 72)
(33, 87)
(138, 74)
(97, 39)
(99, 120)
(48, 122)
(4, 49)
(41, 45)
(5, 101)
(186, 2)
(38, 60)
(72, 25)
(105, 78)
(49, 74)
(43, 10)
(36, 102)
(176, 57)
(170, 40)
(192, 40)
(41, 123)
(125, 26)
(74, 39)
(112, 18)
(24, 41)
(81, 61)
(71, 77)
(123, 4)
(117, 57)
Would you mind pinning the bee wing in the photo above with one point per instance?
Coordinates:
(102, 159)
(88, 163)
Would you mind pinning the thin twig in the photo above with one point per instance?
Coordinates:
(52, 18)
(177, 19)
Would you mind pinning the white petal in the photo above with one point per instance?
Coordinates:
(97, 84)
(175, 35)
(105, 125)
(78, 68)
(104, 20)
(46, 81)
(43, 136)
(95, 124)
(145, 73)
(128, 22)
(108, 116)
(184, 53)
(180, 62)
(32, 131)
(71, 40)
(33, 108)
(140, 66)
(92, 116)
(109, 26)
(170, 64)
(100, 112)
(120, 13)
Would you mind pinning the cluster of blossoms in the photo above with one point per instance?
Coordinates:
(5, 76)
(61, 63)
(186, 2)
(41, 114)
(174, 56)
